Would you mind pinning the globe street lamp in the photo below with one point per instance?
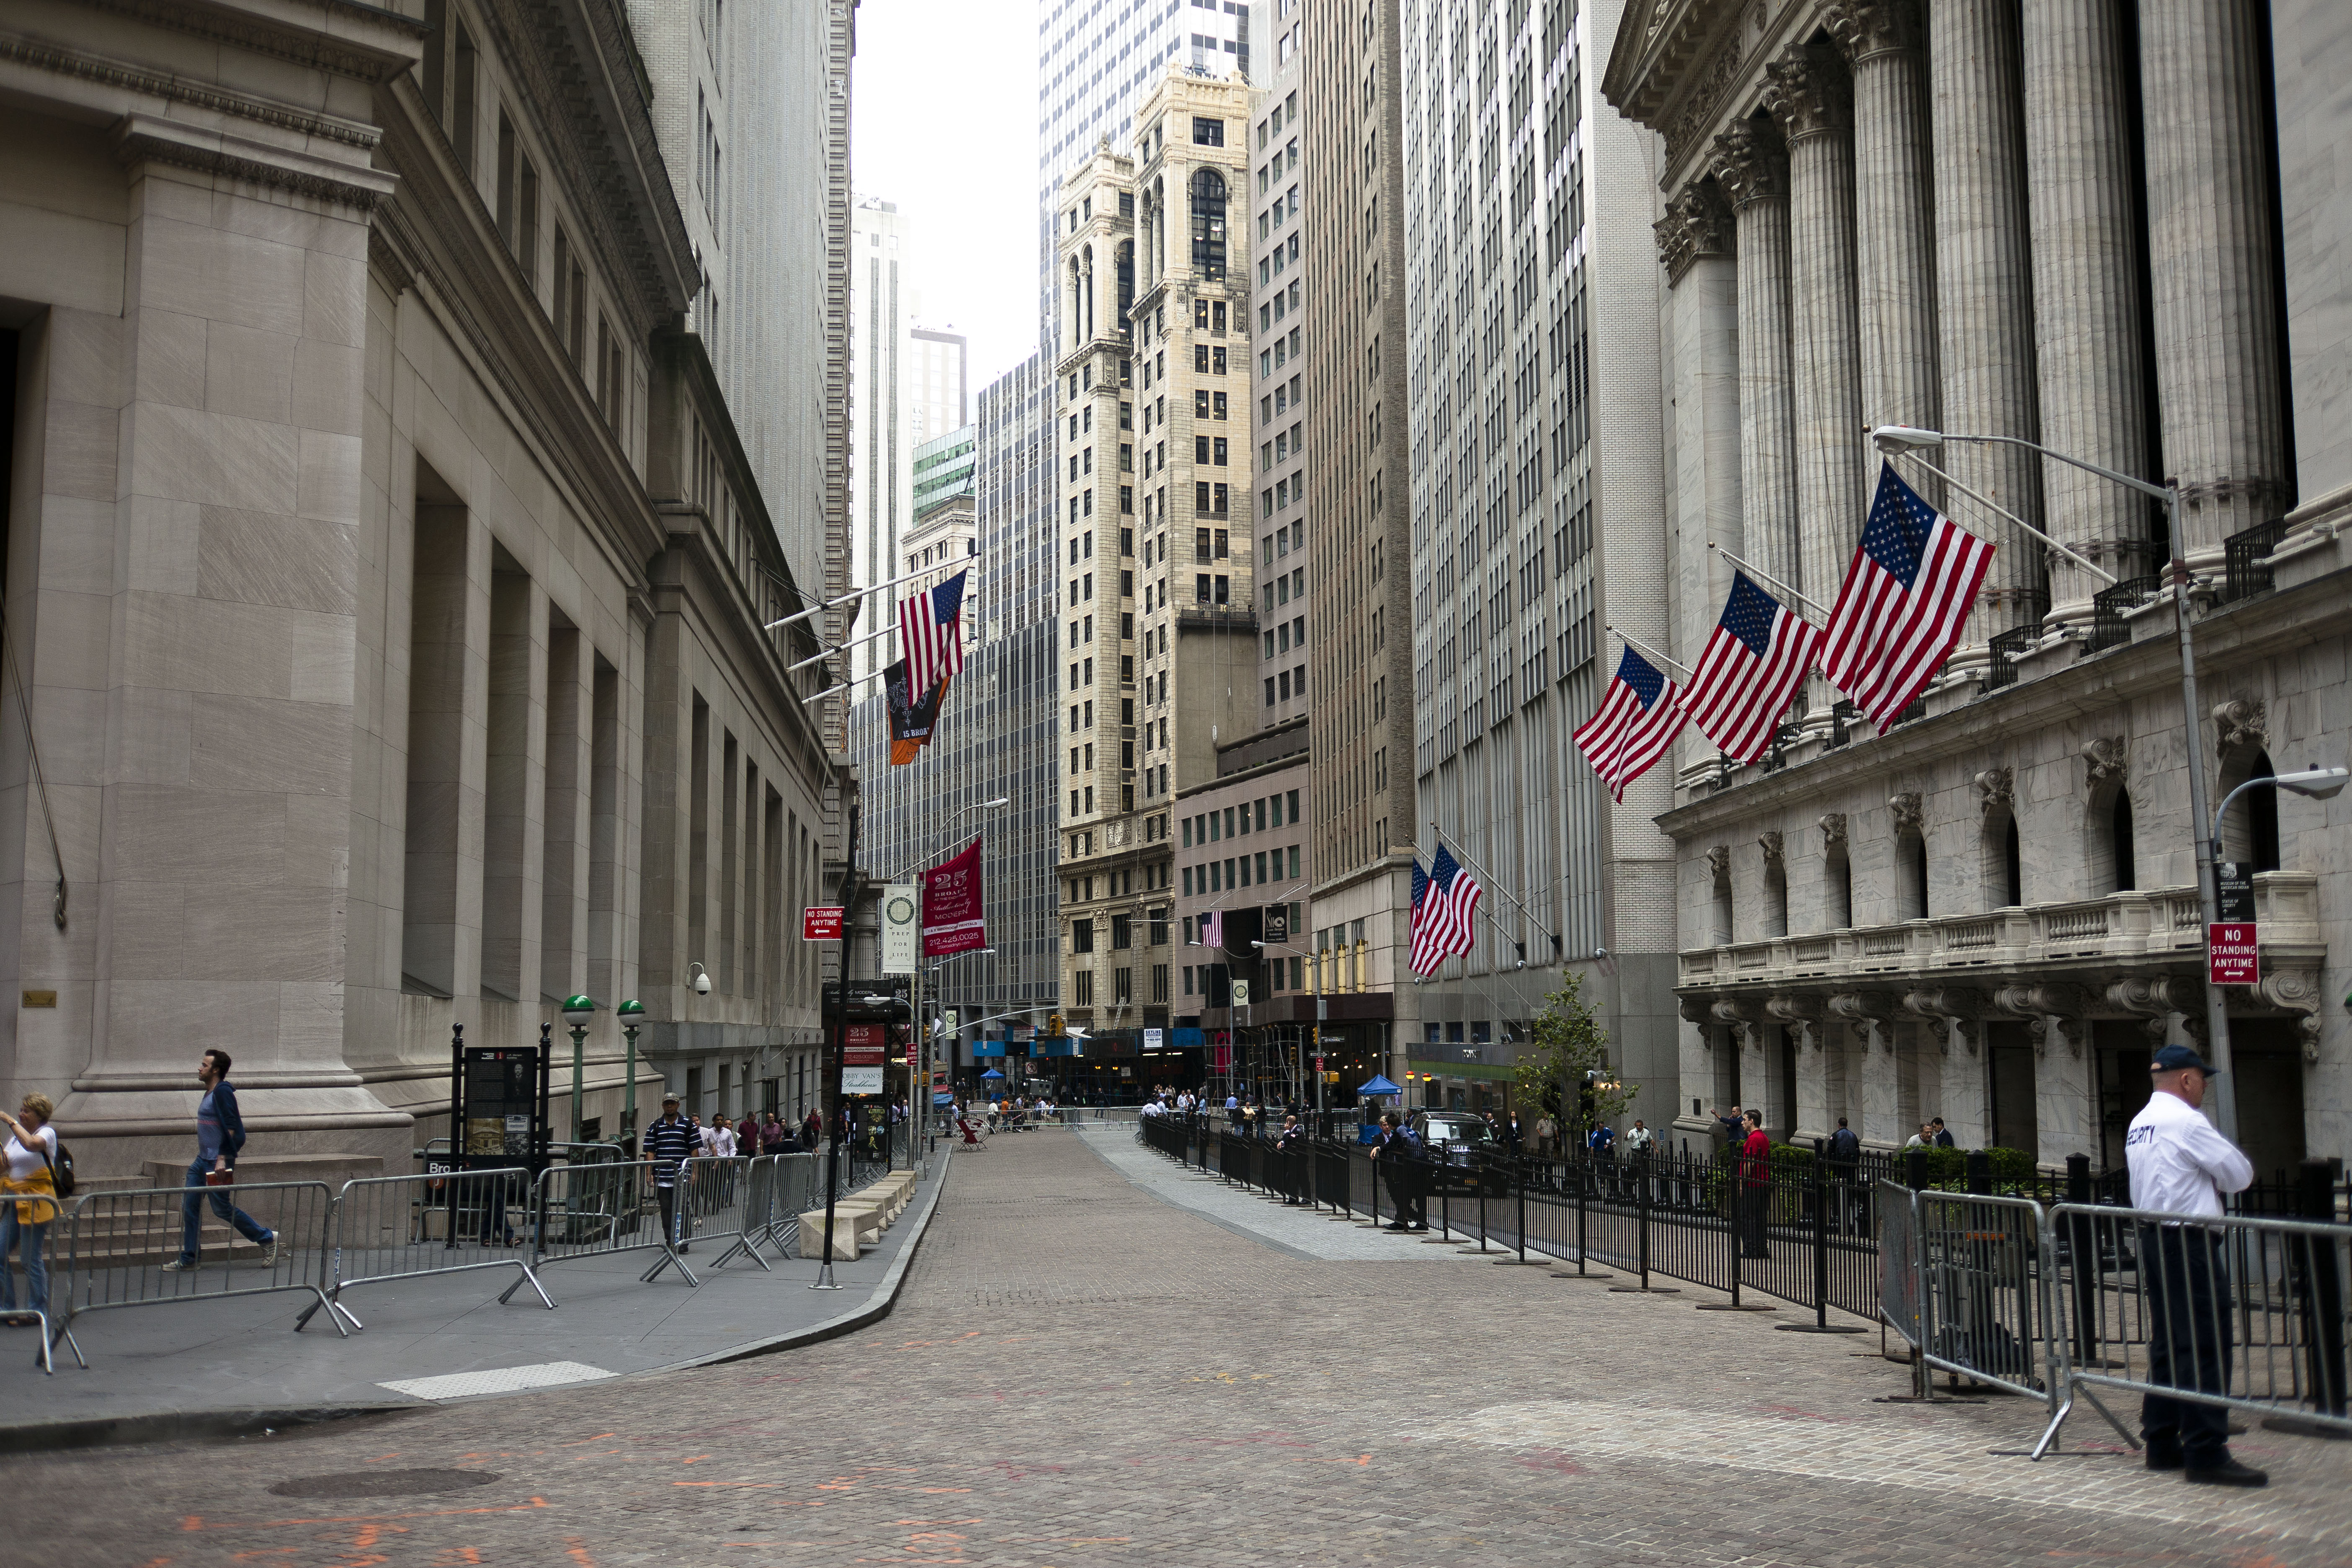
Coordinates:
(578, 1012)
(631, 1013)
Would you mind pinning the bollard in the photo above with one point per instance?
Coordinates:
(2083, 1246)
(1979, 1165)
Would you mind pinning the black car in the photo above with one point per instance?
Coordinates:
(1465, 1152)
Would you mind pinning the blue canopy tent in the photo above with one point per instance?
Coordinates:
(1368, 1132)
(992, 1073)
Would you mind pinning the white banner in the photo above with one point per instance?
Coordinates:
(861, 1081)
(899, 920)
(1151, 1039)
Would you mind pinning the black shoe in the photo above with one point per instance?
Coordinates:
(2228, 1473)
(686, 1247)
(2163, 1456)
(1399, 1226)
(1417, 1227)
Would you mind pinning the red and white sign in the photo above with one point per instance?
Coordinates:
(861, 1045)
(821, 922)
(951, 906)
(2229, 956)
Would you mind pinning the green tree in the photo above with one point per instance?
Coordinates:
(1568, 1073)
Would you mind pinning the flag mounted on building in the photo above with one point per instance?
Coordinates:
(1904, 603)
(1213, 929)
(953, 920)
(930, 632)
(1639, 715)
(1751, 669)
(913, 723)
(1445, 912)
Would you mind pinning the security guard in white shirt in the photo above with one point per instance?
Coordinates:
(2181, 1165)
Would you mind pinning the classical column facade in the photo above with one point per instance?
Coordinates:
(1894, 205)
(1984, 297)
(1694, 241)
(1753, 170)
(1808, 97)
(2212, 252)
(2087, 363)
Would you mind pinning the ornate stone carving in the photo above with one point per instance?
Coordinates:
(1906, 811)
(2107, 757)
(1808, 93)
(1996, 790)
(1774, 847)
(2070, 1030)
(1697, 223)
(2241, 723)
(1867, 27)
(1751, 164)
(2156, 997)
(1801, 1012)
(1721, 73)
(1951, 1014)
(1832, 824)
(1718, 861)
(2296, 990)
(1739, 1016)
(1863, 1010)
(1696, 1010)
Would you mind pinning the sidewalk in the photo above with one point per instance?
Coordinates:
(437, 1338)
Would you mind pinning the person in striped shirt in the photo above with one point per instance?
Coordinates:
(668, 1142)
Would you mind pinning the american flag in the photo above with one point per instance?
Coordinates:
(930, 635)
(1751, 667)
(1638, 717)
(1445, 909)
(1213, 929)
(1904, 602)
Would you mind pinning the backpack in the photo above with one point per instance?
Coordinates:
(61, 1169)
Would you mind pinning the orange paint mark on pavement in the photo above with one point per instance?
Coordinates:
(577, 1549)
(458, 1557)
(1312, 1459)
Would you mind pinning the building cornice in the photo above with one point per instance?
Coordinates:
(145, 139)
(366, 43)
(168, 87)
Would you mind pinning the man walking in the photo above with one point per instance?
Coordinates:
(220, 1135)
(2181, 1164)
(669, 1142)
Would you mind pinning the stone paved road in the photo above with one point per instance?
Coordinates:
(1080, 1373)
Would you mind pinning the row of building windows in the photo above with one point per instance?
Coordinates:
(1219, 876)
(1260, 816)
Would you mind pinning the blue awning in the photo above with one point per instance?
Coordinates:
(989, 1074)
(1379, 1086)
(1191, 1039)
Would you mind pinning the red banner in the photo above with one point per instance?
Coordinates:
(2232, 957)
(861, 1045)
(951, 906)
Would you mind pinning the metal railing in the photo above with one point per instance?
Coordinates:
(399, 1227)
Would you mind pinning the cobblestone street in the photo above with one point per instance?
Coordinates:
(1080, 1372)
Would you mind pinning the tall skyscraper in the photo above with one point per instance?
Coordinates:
(1529, 268)
(938, 396)
(881, 440)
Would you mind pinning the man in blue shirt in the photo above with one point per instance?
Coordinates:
(220, 1135)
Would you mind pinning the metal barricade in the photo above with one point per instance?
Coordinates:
(588, 1211)
(2245, 1314)
(400, 1228)
(1983, 1301)
(114, 1248)
(1898, 1254)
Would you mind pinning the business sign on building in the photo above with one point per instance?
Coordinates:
(1152, 1039)
(862, 1046)
(899, 919)
(2230, 955)
(2235, 880)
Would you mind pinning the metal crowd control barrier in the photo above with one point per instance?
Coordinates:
(402, 1228)
(776, 1191)
(116, 1245)
(2243, 1314)
(587, 1211)
(1983, 1301)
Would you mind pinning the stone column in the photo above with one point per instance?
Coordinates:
(1808, 96)
(2063, 1096)
(1881, 1095)
(1894, 217)
(1965, 1101)
(1984, 298)
(2211, 250)
(1753, 169)
(2087, 365)
(1694, 242)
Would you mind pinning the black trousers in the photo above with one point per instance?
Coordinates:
(2190, 1341)
(1754, 1199)
(1408, 1190)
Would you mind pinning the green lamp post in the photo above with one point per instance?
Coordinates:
(631, 1013)
(577, 1011)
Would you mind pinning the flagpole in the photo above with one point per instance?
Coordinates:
(1758, 572)
(853, 594)
(1464, 854)
(2068, 551)
(1645, 648)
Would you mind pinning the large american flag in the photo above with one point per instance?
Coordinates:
(930, 635)
(1904, 603)
(1444, 910)
(1638, 717)
(1750, 669)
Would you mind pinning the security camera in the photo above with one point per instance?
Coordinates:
(701, 980)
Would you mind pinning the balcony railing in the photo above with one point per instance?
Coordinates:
(2161, 923)
(2109, 609)
(2242, 577)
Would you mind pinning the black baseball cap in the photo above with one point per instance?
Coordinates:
(2172, 1059)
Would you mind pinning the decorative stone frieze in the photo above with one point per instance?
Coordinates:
(1799, 1012)
(1952, 1014)
(1832, 825)
(2295, 989)
(1697, 223)
(1718, 861)
(1774, 847)
(1906, 809)
(1751, 164)
(1996, 790)
(1866, 28)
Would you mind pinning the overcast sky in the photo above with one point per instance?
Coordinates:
(944, 122)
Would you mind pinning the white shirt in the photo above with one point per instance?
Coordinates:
(24, 1164)
(719, 1140)
(2179, 1163)
(1639, 1138)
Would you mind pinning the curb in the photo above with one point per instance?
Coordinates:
(164, 1425)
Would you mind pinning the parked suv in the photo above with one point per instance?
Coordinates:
(1465, 1149)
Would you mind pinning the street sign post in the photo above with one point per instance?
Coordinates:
(821, 922)
(2230, 955)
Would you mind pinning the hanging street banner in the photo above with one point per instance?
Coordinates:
(862, 1046)
(951, 912)
(898, 929)
(821, 922)
(913, 722)
(2231, 956)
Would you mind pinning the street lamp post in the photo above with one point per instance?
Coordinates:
(631, 1013)
(918, 1058)
(1315, 970)
(1894, 439)
(578, 1011)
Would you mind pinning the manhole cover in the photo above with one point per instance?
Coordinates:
(383, 1483)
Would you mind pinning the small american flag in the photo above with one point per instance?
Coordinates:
(1444, 910)
(1638, 717)
(930, 633)
(1213, 929)
(1751, 667)
(1904, 602)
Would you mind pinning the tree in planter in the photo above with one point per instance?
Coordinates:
(1567, 1076)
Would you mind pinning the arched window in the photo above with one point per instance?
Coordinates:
(2003, 876)
(1837, 888)
(1209, 225)
(1722, 903)
(1776, 898)
(1125, 282)
(2250, 834)
(2115, 872)
(1911, 877)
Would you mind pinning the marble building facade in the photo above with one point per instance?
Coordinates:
(2105, 229)
(385, 579)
